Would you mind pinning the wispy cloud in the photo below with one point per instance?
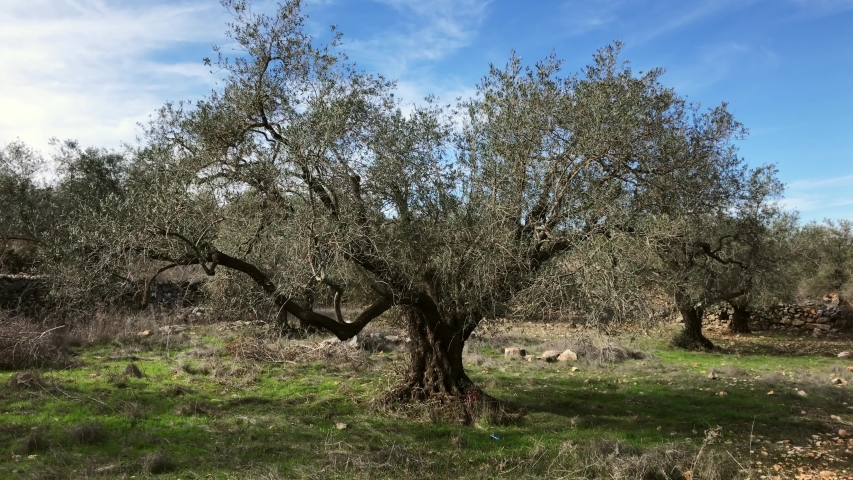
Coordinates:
(583, 16)
(822, 8)
(672, 17)
(91, 69)
(845, 181)
(821, 198)
(433, 31)
(427, 34)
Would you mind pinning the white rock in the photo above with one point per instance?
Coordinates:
(550, 355)
(514, 352)
(567, 356)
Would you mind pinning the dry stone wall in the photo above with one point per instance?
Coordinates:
(25, 292)
(21, 291)
(816, 318)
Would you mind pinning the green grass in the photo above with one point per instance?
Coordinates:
(213, 416)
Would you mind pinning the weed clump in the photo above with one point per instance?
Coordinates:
(33, 442)
(88, 434)
(131, 370)
(157, 463)
(21, 380)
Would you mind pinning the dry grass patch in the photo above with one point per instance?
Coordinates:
(327, 352)
(24, 344)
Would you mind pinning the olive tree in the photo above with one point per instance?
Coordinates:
(826, 261)
(27, 207)
(303, 174)
(735, 251)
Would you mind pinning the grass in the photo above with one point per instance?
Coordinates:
(204, 408)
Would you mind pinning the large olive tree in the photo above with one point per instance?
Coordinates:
(302, 173)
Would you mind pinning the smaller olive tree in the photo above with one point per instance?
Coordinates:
(826, 261)
(28, 207)
(737, 253)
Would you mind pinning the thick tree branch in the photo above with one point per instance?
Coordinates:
(342, 330)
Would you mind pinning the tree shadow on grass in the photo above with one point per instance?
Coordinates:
(660, 412)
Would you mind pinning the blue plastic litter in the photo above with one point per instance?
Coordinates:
(495, 436)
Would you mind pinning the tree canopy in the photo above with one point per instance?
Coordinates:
(305, 175)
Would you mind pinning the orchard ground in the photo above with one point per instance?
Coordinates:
(230, 400)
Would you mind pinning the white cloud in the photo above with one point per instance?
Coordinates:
(435, 30)
(821, 198)
(427, 33)
(92, 69)
(844, 181)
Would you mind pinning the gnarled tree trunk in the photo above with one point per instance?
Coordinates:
(436, 368)
(740, 319)
(691, 338)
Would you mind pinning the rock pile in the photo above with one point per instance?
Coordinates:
(816, 318)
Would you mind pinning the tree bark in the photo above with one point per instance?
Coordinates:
(435, 368)
(740, 319)
(692, 338)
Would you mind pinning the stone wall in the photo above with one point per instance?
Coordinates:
(21, 291)
(816, 318)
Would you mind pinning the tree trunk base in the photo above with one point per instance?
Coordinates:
(740, 321)
(468, 406)
(436, 386)
(691, 338)
(694, 341)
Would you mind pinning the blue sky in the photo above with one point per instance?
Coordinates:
(92, 69)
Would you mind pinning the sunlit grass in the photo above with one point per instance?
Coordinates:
(210, 414)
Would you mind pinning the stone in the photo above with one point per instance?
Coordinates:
(842, 433)
(341, 426)
(550, 355)
(823, 320)
(144, 333)
(823, 327)
(802, 393)
(798, 323)
(575, 369)
(567, 356)
(514, 352)
(839, 381)
(844, 355)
